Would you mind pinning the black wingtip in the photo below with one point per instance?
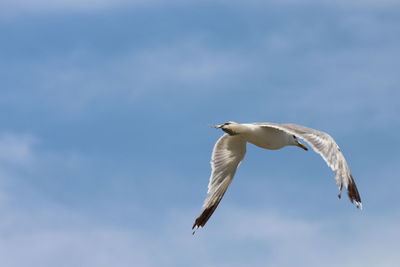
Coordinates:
(203, 218)
(353, 193)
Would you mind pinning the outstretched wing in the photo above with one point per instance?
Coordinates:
(325, 145)
(228, 152)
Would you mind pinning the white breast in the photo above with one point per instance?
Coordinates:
(265, 137)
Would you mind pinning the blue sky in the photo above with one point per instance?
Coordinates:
(105, 144)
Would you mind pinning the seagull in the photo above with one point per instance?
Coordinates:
(230, 150)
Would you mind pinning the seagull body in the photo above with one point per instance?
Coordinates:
(230, 150)
(264, 137)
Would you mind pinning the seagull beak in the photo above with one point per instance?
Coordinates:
(301, 146)
(216, 125)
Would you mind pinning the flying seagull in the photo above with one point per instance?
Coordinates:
(230, 149)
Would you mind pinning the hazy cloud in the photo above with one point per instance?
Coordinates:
(16, 149)
(261, 237)
(13, 8)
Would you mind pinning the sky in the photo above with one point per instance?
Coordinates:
(105, 142)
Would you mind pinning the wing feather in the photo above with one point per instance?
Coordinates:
(227, 154)
(325, 145)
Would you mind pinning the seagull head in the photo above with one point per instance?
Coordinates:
(225, 125)
(229, 127)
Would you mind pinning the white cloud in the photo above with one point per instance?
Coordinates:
(12, 8)
(35, 231)
(74, 242)
(267, 225)
(49, 234)
(359, 240)
(16, 154)
(350, 82)
(16, 149)
(46, 5)
(237, 238)
(184, 62)
(70, 83)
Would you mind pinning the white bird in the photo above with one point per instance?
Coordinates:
(230, 149)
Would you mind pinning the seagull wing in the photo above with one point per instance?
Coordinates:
(325, 145)
(227, 154)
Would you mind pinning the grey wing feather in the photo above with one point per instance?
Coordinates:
(227, 154)
(325, 145)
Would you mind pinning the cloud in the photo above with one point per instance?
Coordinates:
(16, 149)
(49, 236)
(73, 82)
(183, 63)
(48, 231)
(64, 202)
(16, 155)
(41, 228)
(278, 239)
(325, 66)
(16, 8)
(238, 237)
(39, 6)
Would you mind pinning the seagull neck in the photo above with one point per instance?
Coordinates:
(237, 128)
(234, 128)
